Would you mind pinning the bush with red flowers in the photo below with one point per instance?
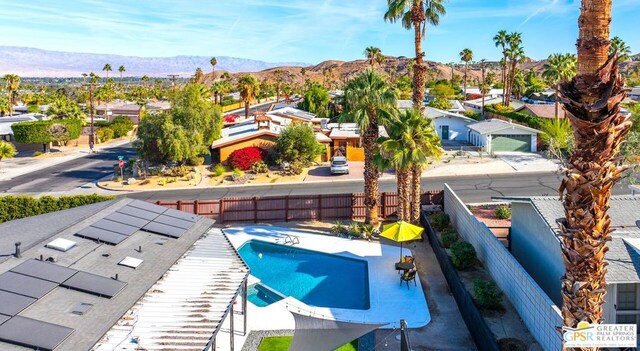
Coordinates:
(232, 118)
(472, 96)
(244, 158)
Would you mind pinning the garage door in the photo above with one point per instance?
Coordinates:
(511, 143)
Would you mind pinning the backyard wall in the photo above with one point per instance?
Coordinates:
(539, 313)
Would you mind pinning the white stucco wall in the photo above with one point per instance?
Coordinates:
(457, 127)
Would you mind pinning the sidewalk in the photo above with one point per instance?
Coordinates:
(17, 166)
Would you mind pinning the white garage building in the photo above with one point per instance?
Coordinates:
(495, 135)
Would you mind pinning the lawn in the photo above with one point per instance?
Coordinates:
(281, 343)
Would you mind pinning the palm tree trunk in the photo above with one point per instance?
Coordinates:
(557, 102)
(591, 102)
(371, 173)
(419, 70)
(416, 188)
(400, 211)
(406, 191)
(504, 77)
(246, 109)
(465, 81)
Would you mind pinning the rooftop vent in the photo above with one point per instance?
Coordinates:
(81, 309)
(131, 262)
(61, 244)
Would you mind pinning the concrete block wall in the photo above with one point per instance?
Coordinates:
(539, 313)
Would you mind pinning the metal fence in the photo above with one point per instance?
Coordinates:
(480, 332)
(295, 208)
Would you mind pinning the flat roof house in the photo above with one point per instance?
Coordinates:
(496, 135)
(87, 279)
(449, 126)
(535, 245)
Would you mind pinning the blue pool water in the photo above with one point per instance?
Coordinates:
(315, 278)
(261, 296)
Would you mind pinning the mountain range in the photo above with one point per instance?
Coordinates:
(31, 62)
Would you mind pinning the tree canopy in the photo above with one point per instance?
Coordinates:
(297, 142)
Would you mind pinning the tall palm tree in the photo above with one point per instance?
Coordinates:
(278, 74)
(12, 83)
(515, 55)
(249, 87)
(213, 62)
(368, 100)
(121, 69)
(107, 68)
(416, 14)
(618, 45)
(466, 56)
(559, 68)
(592, 101)
(84, 77)
(373, 54)
(500, 40)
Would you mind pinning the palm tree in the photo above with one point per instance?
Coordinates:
(373, 54)
(198, 76)
(84, 77)
(416, 14)
(368, 100)
(121, 69)
(6, 150)
(559, 68)
(277, 74)
(592, 101)
(466, 56)
(12, 83)
(515, 55)
(107, 68)
(249, 87)
(618, 45)
(500, 40)
(213, 62)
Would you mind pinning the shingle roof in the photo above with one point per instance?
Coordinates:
(623, 257)
(545, 110)
(494, 125)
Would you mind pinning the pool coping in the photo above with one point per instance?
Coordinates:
(389, 302)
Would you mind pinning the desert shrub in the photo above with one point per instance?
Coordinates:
(178, 171)
(338, 228)
(259, 167)
(244, 158)
(296, 167)
(121, 125)
(487, 294)
(218, 170)
(449, 237)
(354, 229)
(237, 173)
(195, 161)
(463, 255)
(440, 220)
(104, 134)
(503, 212)
(367, 231)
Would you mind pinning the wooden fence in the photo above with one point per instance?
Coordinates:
(295, 208)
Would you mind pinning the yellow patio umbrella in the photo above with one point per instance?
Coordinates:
(400, 232)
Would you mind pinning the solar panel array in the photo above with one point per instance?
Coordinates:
(139, 215)
(31, 280)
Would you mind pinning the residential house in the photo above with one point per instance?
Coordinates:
(543, 111)
(492, 93)
(114, 275)
(535, 244)
(130, 109)
(449, 126)
(495, 135)
(476, 105)
(6, 133)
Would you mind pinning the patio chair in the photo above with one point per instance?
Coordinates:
(404, 260)
(409, 276)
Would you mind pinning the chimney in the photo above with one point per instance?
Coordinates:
(17, 254)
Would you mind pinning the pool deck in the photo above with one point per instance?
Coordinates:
(389, 302)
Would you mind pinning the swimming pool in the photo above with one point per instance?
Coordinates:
(315, 278)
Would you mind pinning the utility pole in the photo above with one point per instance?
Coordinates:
(482, 88)
(91, 112)
(173, 82)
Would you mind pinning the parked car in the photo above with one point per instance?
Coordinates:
(339, 165)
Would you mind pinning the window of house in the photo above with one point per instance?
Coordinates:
(627, 297)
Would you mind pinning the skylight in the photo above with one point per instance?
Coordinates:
(61, 244)
(130, 262)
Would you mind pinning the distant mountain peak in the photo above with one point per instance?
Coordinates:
(33, 62)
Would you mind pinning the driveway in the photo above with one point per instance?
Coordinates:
(323, 173)
(528, 162)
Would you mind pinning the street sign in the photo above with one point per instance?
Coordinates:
(120, 158)
(121, 164)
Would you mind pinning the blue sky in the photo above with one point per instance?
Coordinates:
(293, 30)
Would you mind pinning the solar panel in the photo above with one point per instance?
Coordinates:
(44, 270)
(33, 333)
(94, 284)
(181, 215)
(101, 235)
(3, 318)
(143, 205)
(159, 228)
(126, 219)
(25, 285)
(11, 304)
(116, 227)
(174, 222)
(136, 212)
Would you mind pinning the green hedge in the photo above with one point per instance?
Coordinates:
(38, 132)
(121, 125)
(16, 207)
(531, 121)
